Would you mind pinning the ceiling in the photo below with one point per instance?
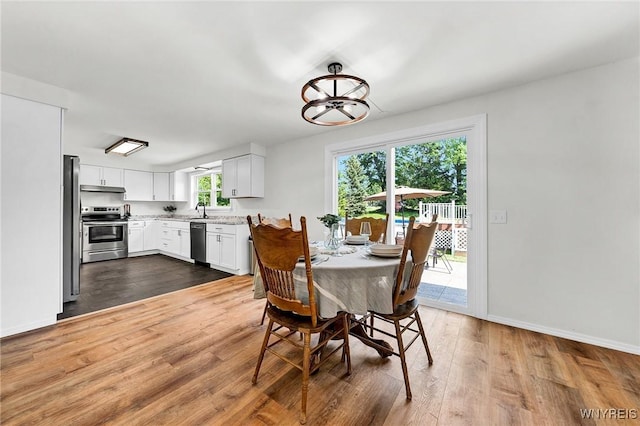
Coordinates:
(192, 78)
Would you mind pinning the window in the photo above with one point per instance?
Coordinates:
(209, 190)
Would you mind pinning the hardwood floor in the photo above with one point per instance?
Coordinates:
(116, 282)
(188, 357)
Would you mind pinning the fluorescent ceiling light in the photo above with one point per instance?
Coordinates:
(126, 146)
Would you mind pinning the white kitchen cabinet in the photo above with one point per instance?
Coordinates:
(175, 238)
(178, 186)
(139, 185)
(243, 177)
(151, 234)
(101, 176)
(161, 186)
(227, 248)
(136, 236)
(185, 243)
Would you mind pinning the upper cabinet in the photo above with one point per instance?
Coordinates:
(161, 186)
(139, 185)
(170, 186)
(178, 186)
(101, 176)
(243, 177)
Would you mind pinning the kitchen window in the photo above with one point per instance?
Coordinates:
(208, 190)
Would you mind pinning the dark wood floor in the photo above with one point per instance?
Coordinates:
(116, 282)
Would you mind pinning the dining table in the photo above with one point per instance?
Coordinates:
(355, 281)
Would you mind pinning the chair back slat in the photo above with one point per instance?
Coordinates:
(278, 250)
(378, 227)
(417, 243)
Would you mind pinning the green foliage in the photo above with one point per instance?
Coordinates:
(355, 190)
(440, 165)
(206, 187)
(329, 219)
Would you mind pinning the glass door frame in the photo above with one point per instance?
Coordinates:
(475, 130)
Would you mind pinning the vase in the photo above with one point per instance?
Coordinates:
(333, 241)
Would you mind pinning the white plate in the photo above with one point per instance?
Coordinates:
(313, 252)
(385, 254)
(387, 247)
(355, 242)
(311, 257)
(386, 251)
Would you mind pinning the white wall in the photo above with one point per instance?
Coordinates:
(564, 161)
(31, 275)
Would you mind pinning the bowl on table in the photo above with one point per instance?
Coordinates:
(386, 250)
(356, 239)
(313, 252)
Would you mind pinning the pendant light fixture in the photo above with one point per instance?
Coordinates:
(335, 99)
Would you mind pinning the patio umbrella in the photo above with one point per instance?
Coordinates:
(405, 192)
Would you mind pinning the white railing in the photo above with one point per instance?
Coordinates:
(454, 238)
(447, 212)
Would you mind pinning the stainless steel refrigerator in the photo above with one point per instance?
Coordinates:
(71, 228)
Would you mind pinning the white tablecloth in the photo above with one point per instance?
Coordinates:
(353, 283)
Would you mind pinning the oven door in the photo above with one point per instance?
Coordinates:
(102, 236)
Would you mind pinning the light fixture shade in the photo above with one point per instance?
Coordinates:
(126, 147)
(335, 99)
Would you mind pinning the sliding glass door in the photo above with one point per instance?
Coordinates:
(425, 175)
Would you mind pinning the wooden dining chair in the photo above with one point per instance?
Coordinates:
(292, 310)
(378, 227)
(280, 222)
(405, 314)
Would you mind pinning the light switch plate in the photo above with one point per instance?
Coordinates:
(498, 216)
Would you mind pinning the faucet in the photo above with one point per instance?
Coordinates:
(204, 209)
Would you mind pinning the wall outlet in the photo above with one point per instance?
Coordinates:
(498, 216)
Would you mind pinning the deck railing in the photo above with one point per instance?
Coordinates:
(447, 212)
(454, 238)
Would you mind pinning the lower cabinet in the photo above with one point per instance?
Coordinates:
(221, 250)
(151, 235)
(227, 245)
(136, 236)
(175, 238)
(227, 248)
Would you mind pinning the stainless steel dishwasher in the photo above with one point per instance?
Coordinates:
(198, 241)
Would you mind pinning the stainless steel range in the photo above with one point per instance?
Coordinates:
(104, 233)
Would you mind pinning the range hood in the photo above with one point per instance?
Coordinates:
(98, 188)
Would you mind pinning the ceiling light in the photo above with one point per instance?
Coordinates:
(126, 146)
(335, 99)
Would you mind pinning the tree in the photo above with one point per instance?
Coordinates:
(374, 165)
(355, 188)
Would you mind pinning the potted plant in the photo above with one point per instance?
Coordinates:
(333, 239)
(170, 210)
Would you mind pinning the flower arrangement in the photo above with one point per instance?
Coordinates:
(170, 209)
(329, 219)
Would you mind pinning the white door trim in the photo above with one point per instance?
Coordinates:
(475, 129)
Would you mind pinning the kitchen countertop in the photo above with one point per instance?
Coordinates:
(224, 220)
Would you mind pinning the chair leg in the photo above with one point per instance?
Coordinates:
(264, 313)
(403, 360)
(371, 325)
(306, 367)
(265, 342)
(424, 337)
(345, 349)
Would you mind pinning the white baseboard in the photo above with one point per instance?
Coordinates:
(584, 338)
(5, 332)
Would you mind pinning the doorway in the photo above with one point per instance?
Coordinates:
(456, 278)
